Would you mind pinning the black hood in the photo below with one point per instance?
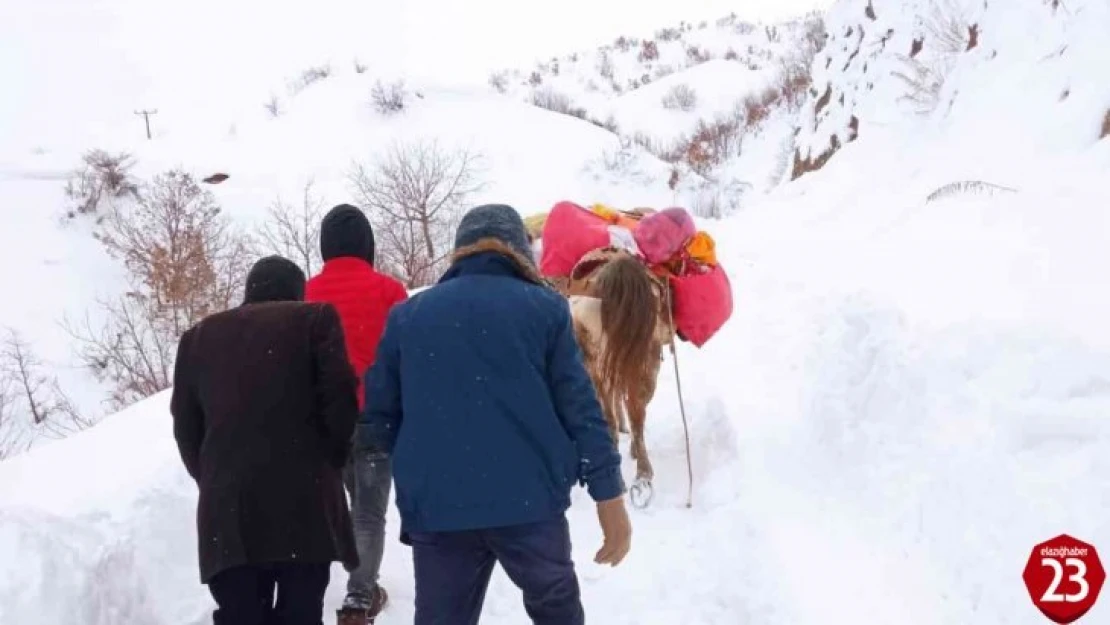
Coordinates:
(274, 279)
(346, 231)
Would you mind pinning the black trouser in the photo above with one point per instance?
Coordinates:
(245, 595)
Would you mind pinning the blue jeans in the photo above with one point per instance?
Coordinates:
(368, 478)
(453, 570)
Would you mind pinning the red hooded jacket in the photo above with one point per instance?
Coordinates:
(363, 298)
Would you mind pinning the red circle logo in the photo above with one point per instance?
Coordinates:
(1063, 577)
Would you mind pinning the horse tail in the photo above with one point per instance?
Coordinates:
(628, 311)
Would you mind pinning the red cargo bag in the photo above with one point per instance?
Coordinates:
(702, 304)
(569, 233)
(662, 235)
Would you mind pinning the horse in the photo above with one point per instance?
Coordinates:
(621, 323)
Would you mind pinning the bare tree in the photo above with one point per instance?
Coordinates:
(294, 230)
(13, 434)
(102, 178)
(34, 404)
(184, 262)
(414, 197)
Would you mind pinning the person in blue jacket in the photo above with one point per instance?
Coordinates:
(480, 394)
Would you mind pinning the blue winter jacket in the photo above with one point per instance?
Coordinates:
(480, 393)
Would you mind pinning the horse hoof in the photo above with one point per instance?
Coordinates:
(641, 493)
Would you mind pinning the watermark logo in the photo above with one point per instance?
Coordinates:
(1064, 576)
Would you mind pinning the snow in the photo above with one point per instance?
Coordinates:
(911, 392)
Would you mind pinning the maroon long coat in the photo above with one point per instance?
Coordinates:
(264, 409)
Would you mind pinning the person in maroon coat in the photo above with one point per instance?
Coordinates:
(264, 410)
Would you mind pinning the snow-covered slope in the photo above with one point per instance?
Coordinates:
(912, 391)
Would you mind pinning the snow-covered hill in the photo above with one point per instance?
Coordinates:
(912, 392)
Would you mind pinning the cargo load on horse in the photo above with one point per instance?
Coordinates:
(667, 242)
(634, 280)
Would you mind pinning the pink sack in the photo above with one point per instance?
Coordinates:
(661, 235)
(569, 233)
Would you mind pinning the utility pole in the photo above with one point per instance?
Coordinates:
(146, 116)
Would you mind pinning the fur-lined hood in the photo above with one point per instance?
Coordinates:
(526, 268)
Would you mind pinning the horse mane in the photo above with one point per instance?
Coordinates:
(628, 319)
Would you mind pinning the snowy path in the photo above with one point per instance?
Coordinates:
(837, 452)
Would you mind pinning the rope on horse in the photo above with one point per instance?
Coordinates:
(681, 402)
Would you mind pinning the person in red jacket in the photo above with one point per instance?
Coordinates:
(363, 297)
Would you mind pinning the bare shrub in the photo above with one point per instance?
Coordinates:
(389, 99)
(34, 403)
(623, 43)
(1105, 132)
(731, 55)
(360, 67)
(712, 143)
(605, 66)
(697, 56)
(680, 97)
(309, 77)
(949, 34)
(535, 79)
(184, 261)
(102, 178)
(293, 230)
(965, 187)
(668, 34)
(557, 102)
(414, 197)
(649, 51)
(273, 106)
(662, 71)
(499, 81)
(609, 124)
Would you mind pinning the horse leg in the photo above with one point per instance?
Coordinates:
(622, 417)
(637, 414)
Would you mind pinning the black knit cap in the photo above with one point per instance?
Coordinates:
(346, 231)
(495, 221)
(274, 279)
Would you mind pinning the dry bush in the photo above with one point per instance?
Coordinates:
(697, 56)
(731, 55)
(414, 198)
(499, 81)
(293, 230)
(557, 102)
(949, 33)
(102, 178)
(360, 67)
(605, 66)
(273, 106)
(712, 143)
(184, 261)
(680, 97)
(1105, 132)
(609, 124)
(966, 187)
(389, 99)
(623, 43)
(662, 71)
(668, 34)
(535, 79)
(32, 403)
(309, 77)
(649, 51)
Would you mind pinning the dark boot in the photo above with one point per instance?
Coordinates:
(352, 616)
(364, 614)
